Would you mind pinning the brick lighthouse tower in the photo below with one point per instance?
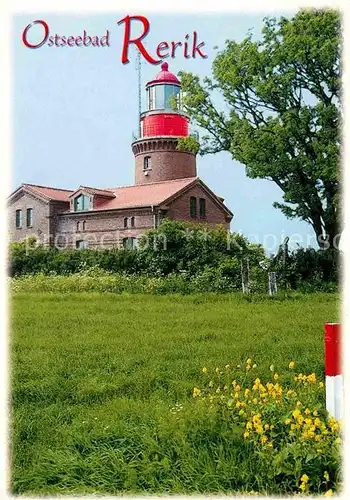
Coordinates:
(156, 156)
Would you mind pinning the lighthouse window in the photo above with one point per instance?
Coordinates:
(146, 163)
(193, 207)
(170, 92)
(151, 98)
(159, 89)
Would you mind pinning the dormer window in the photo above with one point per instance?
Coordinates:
(81, 202)
(146, 163)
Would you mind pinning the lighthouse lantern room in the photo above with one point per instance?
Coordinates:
(161, 119)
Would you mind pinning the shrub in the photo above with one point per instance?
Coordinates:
(294, 445)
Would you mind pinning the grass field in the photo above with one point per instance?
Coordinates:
(95, 378)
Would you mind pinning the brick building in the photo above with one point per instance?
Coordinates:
(166, 186)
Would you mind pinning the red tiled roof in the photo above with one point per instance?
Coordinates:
(145, 194)
(142, 195)
(49, 192)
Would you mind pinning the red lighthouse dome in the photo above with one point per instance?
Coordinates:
(165, 76)
(162, 118)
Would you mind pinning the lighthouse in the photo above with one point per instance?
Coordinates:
(157, 158)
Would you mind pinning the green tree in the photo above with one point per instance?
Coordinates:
(282, 112)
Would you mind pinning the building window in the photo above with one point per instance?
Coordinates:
(81, 244)
(81, 202)
(19, 219)
(78, 226)
(132, 221)
(193, 207)
(146, 163)
(84, 225)
(125, 222)
(130, 243)
(29, 217)
(202, 208)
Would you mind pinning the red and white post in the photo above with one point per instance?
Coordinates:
(334, 377)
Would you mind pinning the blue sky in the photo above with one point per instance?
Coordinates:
(75, 109)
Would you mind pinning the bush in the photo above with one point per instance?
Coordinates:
(292, 442)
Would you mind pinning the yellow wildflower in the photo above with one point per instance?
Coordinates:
(196, 392)
(296, 413)
(248, 367)
(204, 369)
(304, 478)
(298, 403)
(318, 437)
(326, 476)
(270, 445)
(312, 377)
(246, 434)
(272, 368)
(321, 384)
(263, 439)
(254, 365)
(329, 493)
(276, 376)
(211, 383)
(237, 388)
(266, 427)
(338, 440)
(315, 413)
(287, 421)
(249, 361)
(291, 364)
(249, 425)
(217, 370)
(307, 411)
(227, 367)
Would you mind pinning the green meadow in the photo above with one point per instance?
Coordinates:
(99, 381)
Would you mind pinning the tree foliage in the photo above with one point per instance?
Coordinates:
(282, 112)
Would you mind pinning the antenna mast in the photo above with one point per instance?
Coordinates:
(138, 63)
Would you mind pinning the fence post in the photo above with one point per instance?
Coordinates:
(334, 377)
